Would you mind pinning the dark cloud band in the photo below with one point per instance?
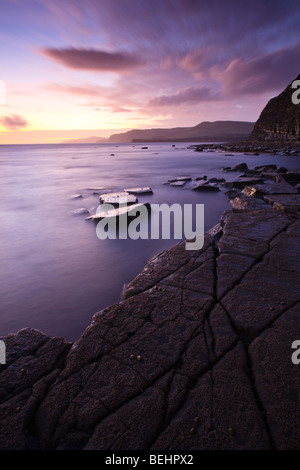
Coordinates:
(92, 59)
(13, 122)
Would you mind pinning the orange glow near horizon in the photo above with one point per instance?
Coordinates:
(101, 68)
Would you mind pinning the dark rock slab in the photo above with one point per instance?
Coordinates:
(180, 178)
(243, 202)
(268, 289)
(145, 190)
(285, 203)
(242, 182)
(230, 268)
(205, 187)
(248, 233)
(266, 168)
(163, 265)
(259, 190)
(178, 183)
(32, 364)
(292, 178)
(197, 355)
(277, 378)
(218, 411)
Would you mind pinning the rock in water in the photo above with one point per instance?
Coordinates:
(80, 211)
(177, 183)
(205, 187)
(146, 190)
(118, 198)
(118, 212)
(180, 178)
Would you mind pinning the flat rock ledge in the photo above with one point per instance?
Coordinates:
(197, 355)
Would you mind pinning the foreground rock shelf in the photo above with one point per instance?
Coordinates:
(197, 355)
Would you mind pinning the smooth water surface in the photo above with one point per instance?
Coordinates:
(55, 272)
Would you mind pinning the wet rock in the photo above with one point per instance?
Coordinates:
(146, 190)
(118, 198)
(205, 187)
(129, 211)
(240, 167)
(216, 180)
(259, 190)
(266, 168)
(243, 202)
(242, 182)
(292, 178)
(178, 183)
(282, 169)
(198, 334)
(180, 178)
(80, 211)
(285, 203)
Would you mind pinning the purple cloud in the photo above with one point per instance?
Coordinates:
(13, 122)
(267, 72)
(92, 59)
(186, 95)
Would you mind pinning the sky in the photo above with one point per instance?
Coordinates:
(72, 68)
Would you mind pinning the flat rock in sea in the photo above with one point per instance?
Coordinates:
(80, 211)
(115, 213)
(242, 182)
(242, 201)
(101, 188)
(205, 187)
(240, 167)
(216, 180)
(177, 183)
(266, 168)
(269, 188)
(180, 178)
(146, 190)
(285, 202)
(118, 198)
(76, 196)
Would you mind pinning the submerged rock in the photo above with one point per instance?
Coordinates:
(177, 183)
(115, 213)
(146, 190)
(269, 188)
(205, 187)
(80, 211)
(242, 182)
(180, 178)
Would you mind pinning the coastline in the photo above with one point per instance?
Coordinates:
(197, 355)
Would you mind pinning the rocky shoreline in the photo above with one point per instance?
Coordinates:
(197, 355)
(272, 147)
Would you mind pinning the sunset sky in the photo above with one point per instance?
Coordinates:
(76, 68)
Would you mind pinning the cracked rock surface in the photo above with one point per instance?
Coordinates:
(197, 355)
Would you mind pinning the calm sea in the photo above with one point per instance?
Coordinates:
(55, 272)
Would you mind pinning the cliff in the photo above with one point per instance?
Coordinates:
(204, 132)
(279, 120)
